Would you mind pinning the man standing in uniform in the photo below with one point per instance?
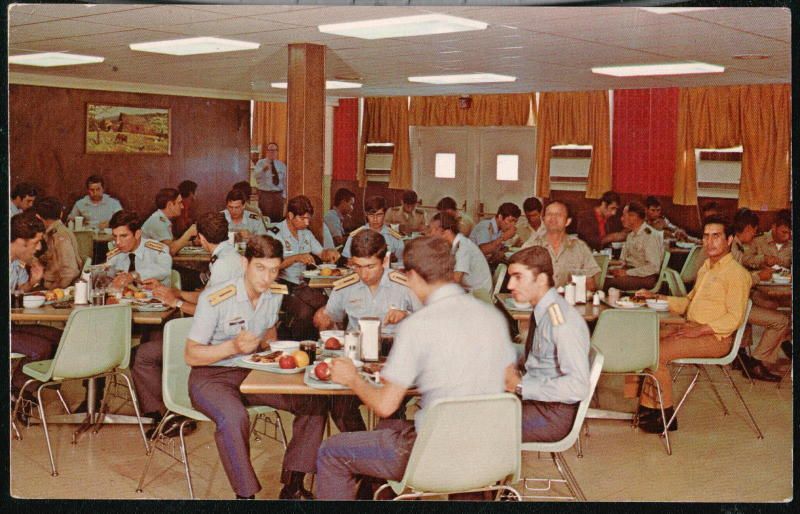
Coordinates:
(96, 207)
(556, 360)
(158, 226)
(569, 255)
(454, 346)
(270, 175)
(408, 216)
(148, 258)
(375, 207)
(493, 235)
(465, 222)
(597, 226)
(641, 254)
(234, 319)
(299, 247)
(471, 270)
(62, 263)
(248, 224)
(335, 218)
(532, 225)
(22, 197)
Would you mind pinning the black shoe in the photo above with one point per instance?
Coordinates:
(786, 346)
(251, 497)
(655, 425)
(293, 486)
(760, 372)
(742, 357)
(172, 428)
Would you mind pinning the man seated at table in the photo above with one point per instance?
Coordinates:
(656, 219)
(96, 207)
(569, 255)
(408, 215)
(714, 310)
(774, 247)
(556, 360)
(22, 197)
(61, 260)
(233, 319)
(531, 226)
(335, 218)
(169, 205)
(247, 189)
(472, 270)
(493, 235)
(135, 253)
(454, 346)
(247, 224)
(641, 253)
(465, 221)
(375, 208)
(598, 226)
(188, 217)
(299, 248)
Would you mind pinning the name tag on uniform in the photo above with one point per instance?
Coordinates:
(235, 326)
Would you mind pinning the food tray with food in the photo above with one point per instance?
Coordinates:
(59, 295)
(192, 250)
(318, 375)
(275, 361)
(327, 273)
(627, 302)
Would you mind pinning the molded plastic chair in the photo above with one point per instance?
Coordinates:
(691, 264)
(85, 243)
(87, 265)
(498, 277)
(674, 282)
(95, 343)
(602, 261)
(701, 362)
(175, 392)
(661, 274)
(556, 448)
(175, 279)
(465, 444)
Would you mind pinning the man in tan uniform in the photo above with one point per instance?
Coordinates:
(641, 254)
(774, 247)
(62, 263)
(465, 221)
(408, 216)
(570, 255)
(531, 226)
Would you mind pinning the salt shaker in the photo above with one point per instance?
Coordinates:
(569, 294)
(596, 298)
(81, 292)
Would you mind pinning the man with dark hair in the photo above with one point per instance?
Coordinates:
(299, 248)
(270, 175)
(247, 189)
(335, 218)
(238, 221)
(408, 215)
(532, 225)
(22, 197)
(774, 247)
(375, 209)
(188, 191)
(493, 235)
(235, 319)
(714, 310)
(96, 207)
(169, 205)
(471, 270)
(61, 260)
(135, 253)
(710, 209)
(656, 219)
(454, 336)
(597, 227)
(641, 254)
(465, 222)
(556, 361)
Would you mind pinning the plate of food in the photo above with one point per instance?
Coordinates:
(284, 346)
(136, 293)
(512, 304)
(58, 295)
(318, 376)
(149, 307)
(332, 339)
(277, 361)
(629, 302)
(192, 250)
(686, 245)
(657, 305)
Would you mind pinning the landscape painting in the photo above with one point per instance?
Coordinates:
(129, 130)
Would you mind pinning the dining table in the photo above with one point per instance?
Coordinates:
(50, 313)
(191, 255)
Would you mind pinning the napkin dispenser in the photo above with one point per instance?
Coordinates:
(580, 288)
(370, 338)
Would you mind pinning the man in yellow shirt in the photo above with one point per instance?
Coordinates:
(713, 311)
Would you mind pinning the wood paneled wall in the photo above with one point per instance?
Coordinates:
(210, 145)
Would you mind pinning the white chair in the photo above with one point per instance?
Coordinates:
(701, 362)
(556, 448)
(498, 277)
(465, 444)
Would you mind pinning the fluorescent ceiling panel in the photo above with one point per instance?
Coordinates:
(329, 84)
(49, 59)
(640, 70)
(463, 78)
(194, 46)
(675, 10)
(403, 26)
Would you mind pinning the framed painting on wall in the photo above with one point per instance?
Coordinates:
(112, 129)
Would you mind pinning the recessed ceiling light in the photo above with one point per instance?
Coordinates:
(751, 57)
(48, 59)
(675, 10)
(676, 68)
(465, 78)
(329, 84)
(510, 48)
(194, 46)
(403, 26)
(451, 52)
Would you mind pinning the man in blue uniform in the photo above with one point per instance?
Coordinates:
(375, 207)
(248, 223)
(148, 258)
(169, 205)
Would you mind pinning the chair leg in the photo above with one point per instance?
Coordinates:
(185, 458)
(63, 402)
(572, 484)
(739, 395)
(677, 373)
(46, 432)
(19, 403)
(714, 388)
(744, 369)
(664, 421)
(786, 373)
(283, 432)
(151, 451)
(685, 395)
(135, 402)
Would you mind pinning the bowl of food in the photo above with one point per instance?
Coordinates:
(616, 245)
(33, 301)
(327, 266)
(780, 278)
(658, 305)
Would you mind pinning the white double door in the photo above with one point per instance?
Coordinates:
(475, 185)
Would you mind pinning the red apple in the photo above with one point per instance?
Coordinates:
(333, 344)
(287, 362)
(323, 371)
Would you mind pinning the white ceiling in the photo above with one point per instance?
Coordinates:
(559, 46)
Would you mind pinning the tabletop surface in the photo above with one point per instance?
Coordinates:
(587, 310)
(50, 313)
(264, 382)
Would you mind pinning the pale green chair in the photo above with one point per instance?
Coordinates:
(175, 279)
(87, 265)
(498, 278)
(674, 283)
(85, 242)
(175, 392)
(95, 343)
(661, 274)
(556, 448)
(465, 444)
(602, 261)
(692, 264)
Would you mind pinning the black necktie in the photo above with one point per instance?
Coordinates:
(275, 179)
(528, 341)
(132, 257)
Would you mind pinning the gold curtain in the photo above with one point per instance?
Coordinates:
(385, 120)
(486, 111)
(574, 118)
(766, 114)
(269, 126)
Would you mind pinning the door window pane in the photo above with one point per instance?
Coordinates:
(508, 167)
(445, 166)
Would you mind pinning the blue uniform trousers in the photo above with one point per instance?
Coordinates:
(36, 342)
(545, 422)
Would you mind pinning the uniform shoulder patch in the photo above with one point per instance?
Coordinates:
(274, 230)
(277, 288)
(223, 294)
(399, 278)
(356, 231)
(395, 234)
(556, 317)
(347, 281)
(114, 251)
(155, 245)
(253, 216)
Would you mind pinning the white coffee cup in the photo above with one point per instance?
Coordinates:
(78, 222)
(569, 294)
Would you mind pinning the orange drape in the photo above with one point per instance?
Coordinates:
(574, 118)
(269, 126)
(486, 111)
(385, 120)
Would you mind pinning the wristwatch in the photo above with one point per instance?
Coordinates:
(179, 304)
(518, 390)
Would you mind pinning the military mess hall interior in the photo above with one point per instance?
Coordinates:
(454, 252)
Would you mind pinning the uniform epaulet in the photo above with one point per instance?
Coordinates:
(277, 288)
(222, 295)
(347, 281)
(155, 245)
(114, 251)
(556, 317)
(274, 230)
(162, 218)
(395, 234)
(399, 278)
(647, 230)
(356, 231)
(253, 216)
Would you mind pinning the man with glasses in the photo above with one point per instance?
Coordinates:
(375, 207)
(270, 175)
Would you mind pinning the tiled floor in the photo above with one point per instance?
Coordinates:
(715, 458)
